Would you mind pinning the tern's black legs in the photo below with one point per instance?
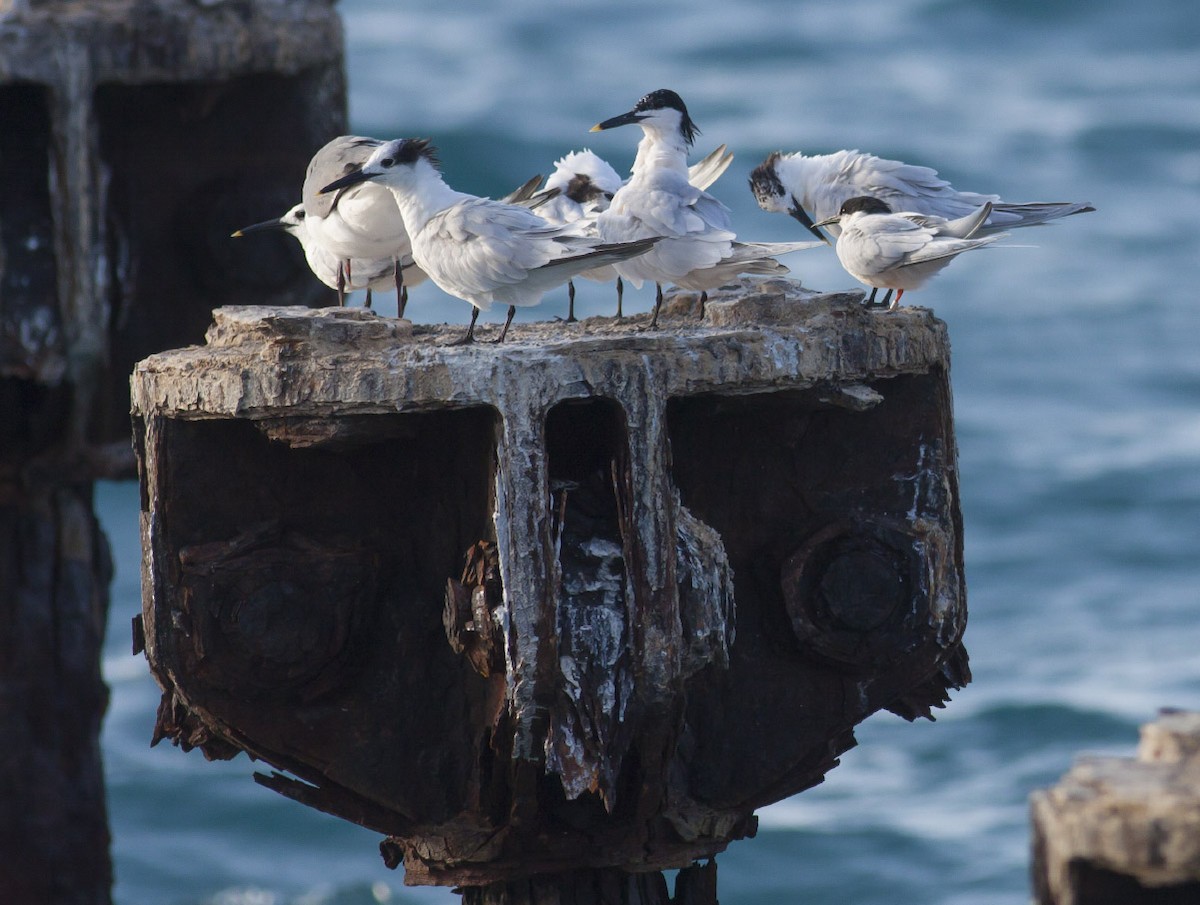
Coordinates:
(470, 337)
(703, 301)
(512, 309)
(401, 291)
(367, 303)
(657, 304)
(341, 284)
(571, 301)
(620, 296)
(887, 302)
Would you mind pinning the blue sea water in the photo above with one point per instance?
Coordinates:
(1077, 399)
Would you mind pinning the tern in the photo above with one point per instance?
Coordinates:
(586, 184)
(700, 249)
(342, 274)
(905, 250)
(478, 249)
(815, 188)
(362, 222)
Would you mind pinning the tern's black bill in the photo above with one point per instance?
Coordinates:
(352, 178)
(258, 227)
(802, 215)
(625, 119)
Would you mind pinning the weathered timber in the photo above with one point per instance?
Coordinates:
(1124, 831)
(582, 601)
(148, 131)
(134, 136)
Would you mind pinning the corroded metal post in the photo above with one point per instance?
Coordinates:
(694, 559)
(134, 135)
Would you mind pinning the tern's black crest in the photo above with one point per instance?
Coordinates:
(581, 189)
(410, 150)
(663, 99)
(764, 181)
(864, 203)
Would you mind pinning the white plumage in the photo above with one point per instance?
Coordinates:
(700, 250)
(582, 187)
(902, 251)
(361, 222)
(815, 188)
(342, 274)
(478, 249)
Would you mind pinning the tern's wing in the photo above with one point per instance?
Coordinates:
(906, 187)
(666, 205)
(333, 161)
(877, 244)
(962, 228)
(477, 246)
(708, 170)
(524, 192)
(948, 248)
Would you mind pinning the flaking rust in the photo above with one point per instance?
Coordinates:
(579, 602)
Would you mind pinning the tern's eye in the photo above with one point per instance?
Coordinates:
(388, 162)
(299, 215)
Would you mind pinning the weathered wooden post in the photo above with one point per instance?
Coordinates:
(133, 136)
(558, 614)
(1124, 831)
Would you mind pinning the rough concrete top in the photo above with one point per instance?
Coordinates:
(1136, 817)
(131, 41)
(755, 336)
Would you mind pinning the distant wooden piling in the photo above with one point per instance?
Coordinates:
(569, 607)
(136, 135)
(1124, 831)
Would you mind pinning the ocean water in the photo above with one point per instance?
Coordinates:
(1077, 398)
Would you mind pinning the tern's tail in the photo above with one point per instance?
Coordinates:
(1011, 216)
(557, 272)
(746, 257)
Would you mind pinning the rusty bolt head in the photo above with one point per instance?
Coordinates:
(854, 592)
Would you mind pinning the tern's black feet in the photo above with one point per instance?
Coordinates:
(512, 309)
(657, 305)
(470, 337)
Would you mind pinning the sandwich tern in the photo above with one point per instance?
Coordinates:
(700, 249)
(478, 249)
(815, 188)
(361, 222)
(900, 251)
(344, 275)
(586, 184)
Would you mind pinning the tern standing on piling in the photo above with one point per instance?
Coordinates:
(362, 221)
(699, 250)
(815, 188)
(586, 184)
(477, 249)
(345, 275)
(903, 250)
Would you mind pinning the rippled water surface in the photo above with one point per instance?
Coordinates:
(1076, 381)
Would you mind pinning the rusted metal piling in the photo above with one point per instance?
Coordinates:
(561, 612)
(1124, 831)
(134, 135)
